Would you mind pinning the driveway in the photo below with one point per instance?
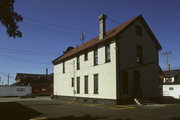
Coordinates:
(58, 110)
(45, 108)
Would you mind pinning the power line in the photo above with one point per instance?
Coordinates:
(23, 59)
(28, 51)
(176, 67)
(10, 67)
(117, 22)
(57, 25)
(52, 28)
(7, 75)
(50, 33)
(35, 54)
(59, 34)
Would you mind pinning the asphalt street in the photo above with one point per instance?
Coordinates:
(39, 109)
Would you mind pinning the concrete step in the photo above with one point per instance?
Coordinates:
(140, 101)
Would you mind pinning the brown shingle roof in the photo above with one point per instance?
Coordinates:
(110, 34)
(33, 76)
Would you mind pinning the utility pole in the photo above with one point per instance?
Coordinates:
(8, 79)
(82, 37)
(167, 57)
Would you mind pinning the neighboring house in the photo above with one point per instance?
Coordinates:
(117, 65)
(171, 83)
(42, 84)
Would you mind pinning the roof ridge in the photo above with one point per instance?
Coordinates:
(30, 74)
(109, 34)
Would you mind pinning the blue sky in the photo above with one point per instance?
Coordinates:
(50, 26)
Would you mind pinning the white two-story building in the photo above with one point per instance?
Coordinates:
(171, 83)
(119, 64)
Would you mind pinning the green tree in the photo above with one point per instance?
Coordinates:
(9, 18)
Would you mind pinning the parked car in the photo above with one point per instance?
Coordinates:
(32, 95)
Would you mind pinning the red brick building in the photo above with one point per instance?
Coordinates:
(42, 84)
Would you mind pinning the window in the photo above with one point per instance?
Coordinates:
(139, 57)
(95, 83)
(63, 67)
(72, 82)
(125, 82)
(86, 84)
(43, 89)
(139, 30)
(168, 80)
(95, 57)
(20, 89)
(78, 85)
(171, 88)
(107, 53)
(85, 56)
(78, 63)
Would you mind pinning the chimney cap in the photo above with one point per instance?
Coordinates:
(102, 16)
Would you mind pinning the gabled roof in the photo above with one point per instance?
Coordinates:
(110, 34)
(169, 73)
(24, 76)
(173, 73)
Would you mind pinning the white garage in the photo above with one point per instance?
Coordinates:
(15, 90)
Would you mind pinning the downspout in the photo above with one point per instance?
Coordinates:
(74, 92)
(118, 73)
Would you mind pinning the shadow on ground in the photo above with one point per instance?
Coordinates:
(16, 111)
(72, 117)
(175, 118)
(124, 119)
(85, 117)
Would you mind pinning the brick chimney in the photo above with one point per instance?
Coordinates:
(102, 25)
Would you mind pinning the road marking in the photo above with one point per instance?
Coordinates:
(92, 105)
(40, 118)
(121, 108)
(117, 107)
(126, 106)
